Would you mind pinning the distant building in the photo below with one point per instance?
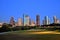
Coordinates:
(55, 19)
(1, 25)
(46, 20)
(16, 24)
(12, 22)
(58, 21)
(26, 20)
(32, 23)
(43, 22)
(20, 23)
(37, 20)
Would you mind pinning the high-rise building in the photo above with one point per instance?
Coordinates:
(23, 19)
(32, 23)
(55, 19)
(58, 21)
(26, 20)
(37, 20)
(46, 20)
(20, 22)
(1, 25)
(12, 22)
(43, 22)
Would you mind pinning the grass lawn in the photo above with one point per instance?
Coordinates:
(30, 35)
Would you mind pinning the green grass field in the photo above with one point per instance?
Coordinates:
(24, 35)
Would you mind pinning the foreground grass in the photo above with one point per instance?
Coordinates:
(30, 35)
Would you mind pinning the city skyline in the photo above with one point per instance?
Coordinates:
(30, 19)
(17, 8)
(27, 21)
(54, 18)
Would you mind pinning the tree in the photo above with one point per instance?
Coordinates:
(5, 27)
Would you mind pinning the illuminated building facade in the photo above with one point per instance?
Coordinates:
(26, 20)
(20, 22)
(12, 22)
(55, 19)
(46, 20)
(37, 20)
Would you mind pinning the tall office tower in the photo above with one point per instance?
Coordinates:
(1, 25)
(37, 20)
(58, 21)
(12, 22)
(46, 20)
(55, 19)
(20, 22)
(26, 20)
(43, 22)
(23, 19)
(32, 23)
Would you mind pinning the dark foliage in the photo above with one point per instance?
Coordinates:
(5, 27)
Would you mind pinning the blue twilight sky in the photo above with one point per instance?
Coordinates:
(16, 8)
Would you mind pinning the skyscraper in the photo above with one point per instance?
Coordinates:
(43, 22)
(26, 20)
(20, 22)
(55, 19)
(46, 20)
(12, 22)
(32, 23)
(23, 19)
(1, 25)
(37, 20)
(58, 21)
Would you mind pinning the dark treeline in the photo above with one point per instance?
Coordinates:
(7, 27)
